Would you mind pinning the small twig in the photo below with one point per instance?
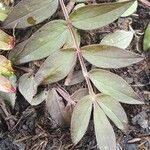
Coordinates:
(135, 140)
(27, 70)
(23, 139)
(10, 119)
(140, 85)
(16, 124)
(144, 135)
(141, 144)
(43, 134)
(43, 144)
(14, 30)
(145, 2)
(34, 147)
(65, 95)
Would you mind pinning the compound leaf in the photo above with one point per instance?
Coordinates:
(109, 56)
(113, 110)
(96, 16)
(42, 43)
(105, 135)
(56, 66)
(28, 13)
(119, 38)
(80, 118)
(113, 85)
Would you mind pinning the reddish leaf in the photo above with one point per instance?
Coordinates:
(7, 42)
(5, 85)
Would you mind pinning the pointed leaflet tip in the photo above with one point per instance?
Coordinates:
(5, 85)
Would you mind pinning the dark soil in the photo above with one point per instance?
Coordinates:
(31, 128)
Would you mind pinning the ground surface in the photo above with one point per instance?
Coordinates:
(35, 130)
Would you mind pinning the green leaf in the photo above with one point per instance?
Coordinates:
(39, 98)
(4, 11)
(146, 44)
(69, 41)
(10, 98)
(56, 66)
(74, 77)
(27, 87)
(96, 16)
(131, 9)
(5, 66)
(109, 57)
(119, 38)
(17, 50)
(80, 118)
(79, 94)
(78, 6)
(7, 42)
(28, 13)
(113, 110)
(113, 85)
(105, 135)
(42, 43)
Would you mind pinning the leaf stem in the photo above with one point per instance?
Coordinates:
(78, 50)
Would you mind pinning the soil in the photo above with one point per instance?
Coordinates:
(31, 128)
